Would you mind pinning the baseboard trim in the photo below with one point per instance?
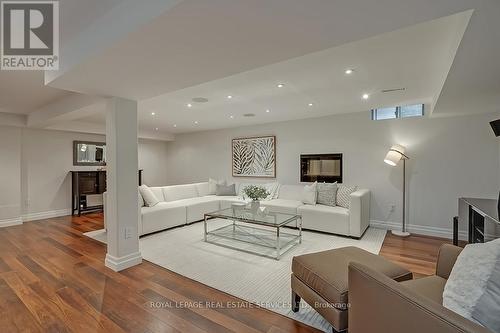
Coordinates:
(121, 263)
(420, 229)
(46, 215)
(11, 222)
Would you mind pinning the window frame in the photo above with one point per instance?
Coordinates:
(398, 112)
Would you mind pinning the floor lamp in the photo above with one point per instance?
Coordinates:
(396, 154)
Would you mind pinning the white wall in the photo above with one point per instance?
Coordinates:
(153, 160)
(450, 157)
(10, 175)
(35, 179)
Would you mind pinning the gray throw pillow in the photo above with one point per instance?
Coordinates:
(225, 190)
(327, 194)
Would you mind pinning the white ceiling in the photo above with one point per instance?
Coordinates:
(392, 60)
(23, 92)
(244, 48)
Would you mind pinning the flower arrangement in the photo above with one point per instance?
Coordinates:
(255, 192)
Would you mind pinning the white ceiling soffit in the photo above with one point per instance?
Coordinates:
(90, 27)
(197, 41)
(22, 92)
(416, 58)
(100, 128)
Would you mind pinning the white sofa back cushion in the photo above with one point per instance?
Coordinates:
(310, 193)
(179, 192)
(202, 188)
(148, 195)
(140, 199)
(158, 192)
(291, 192)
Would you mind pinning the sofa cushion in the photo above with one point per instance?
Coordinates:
(325, 218)
(310, 193)
(431, 287)
(282, 205)
(158, 192)
(140, 199)
(291, 192)
(202, 188)
(179, 192)
(212, 185)
(197, 207)
(327, 194)
(326, 272)
(162, 216)
(225, 190)
(469, 277)
(149, 197)
(344, 195)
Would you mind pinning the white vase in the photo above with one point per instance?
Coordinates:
(254, 206)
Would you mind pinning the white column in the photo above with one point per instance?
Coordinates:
(122, 208)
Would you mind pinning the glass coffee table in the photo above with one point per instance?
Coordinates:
(254, 231)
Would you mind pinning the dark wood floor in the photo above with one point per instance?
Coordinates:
(52, 279)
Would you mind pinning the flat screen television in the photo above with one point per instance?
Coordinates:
(323, 168)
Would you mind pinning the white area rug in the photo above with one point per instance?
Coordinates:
(253, 278)
(98, 235)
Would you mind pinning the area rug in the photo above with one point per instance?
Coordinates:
(253, 278)
(256, 279)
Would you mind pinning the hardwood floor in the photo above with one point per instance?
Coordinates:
(52, 279)
(416, 253)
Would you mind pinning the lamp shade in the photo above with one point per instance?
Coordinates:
(395, 154)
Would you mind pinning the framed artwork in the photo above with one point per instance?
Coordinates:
(254, 157)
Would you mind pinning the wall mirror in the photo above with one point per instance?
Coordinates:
(89, 153)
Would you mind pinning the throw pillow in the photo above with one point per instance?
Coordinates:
(140, 199)
(212, 185)
(309, 194)
(469, 281)
(149, 197)
(327, 194)
(344, 195)
(482, 312)
(225, 190)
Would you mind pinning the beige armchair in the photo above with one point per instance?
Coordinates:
(379, 304)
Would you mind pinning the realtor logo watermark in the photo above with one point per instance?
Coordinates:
(30, 35)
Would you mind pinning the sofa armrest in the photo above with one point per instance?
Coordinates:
(379, 304)
(447, 256)
(359, 212)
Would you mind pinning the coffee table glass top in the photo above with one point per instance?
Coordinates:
(258, 216)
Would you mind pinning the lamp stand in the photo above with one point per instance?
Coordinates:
(403, 232)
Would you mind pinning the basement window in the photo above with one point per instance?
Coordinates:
(407, 111)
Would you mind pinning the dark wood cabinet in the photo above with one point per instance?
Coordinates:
(87, 190)
(88, 187)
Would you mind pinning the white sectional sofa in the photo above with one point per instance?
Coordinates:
(184, 204)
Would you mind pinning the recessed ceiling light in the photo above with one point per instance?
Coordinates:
(156, 128)
(280, 85)
(267, 111)
(310, 104)
(175, 125)
(152, 113)
(349, 71)
(366, 96)
(196, 122)
(232, 117)
(189, 105)
(229, 97)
